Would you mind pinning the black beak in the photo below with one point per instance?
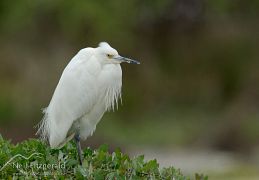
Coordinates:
(127, 60)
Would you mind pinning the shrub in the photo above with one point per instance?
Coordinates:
(33, 159)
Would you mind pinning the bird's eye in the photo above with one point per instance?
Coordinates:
(109, 55)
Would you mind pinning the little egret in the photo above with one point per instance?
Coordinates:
(89, 85)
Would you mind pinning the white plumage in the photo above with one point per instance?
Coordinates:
(90, 85)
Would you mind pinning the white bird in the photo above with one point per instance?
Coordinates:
(89, 86)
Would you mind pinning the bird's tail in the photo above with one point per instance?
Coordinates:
(43, 126)
(68, 138)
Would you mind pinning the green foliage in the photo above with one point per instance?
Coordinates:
(33, 158)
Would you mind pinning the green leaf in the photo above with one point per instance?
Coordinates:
(97, 164)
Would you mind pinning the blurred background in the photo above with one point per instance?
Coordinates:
(192, 103)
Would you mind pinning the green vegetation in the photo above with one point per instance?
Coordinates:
(33, 158)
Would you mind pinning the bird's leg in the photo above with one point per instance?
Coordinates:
(78, 147)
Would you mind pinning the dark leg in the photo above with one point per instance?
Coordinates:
(78, 147)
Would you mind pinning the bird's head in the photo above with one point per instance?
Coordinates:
(111, 56)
